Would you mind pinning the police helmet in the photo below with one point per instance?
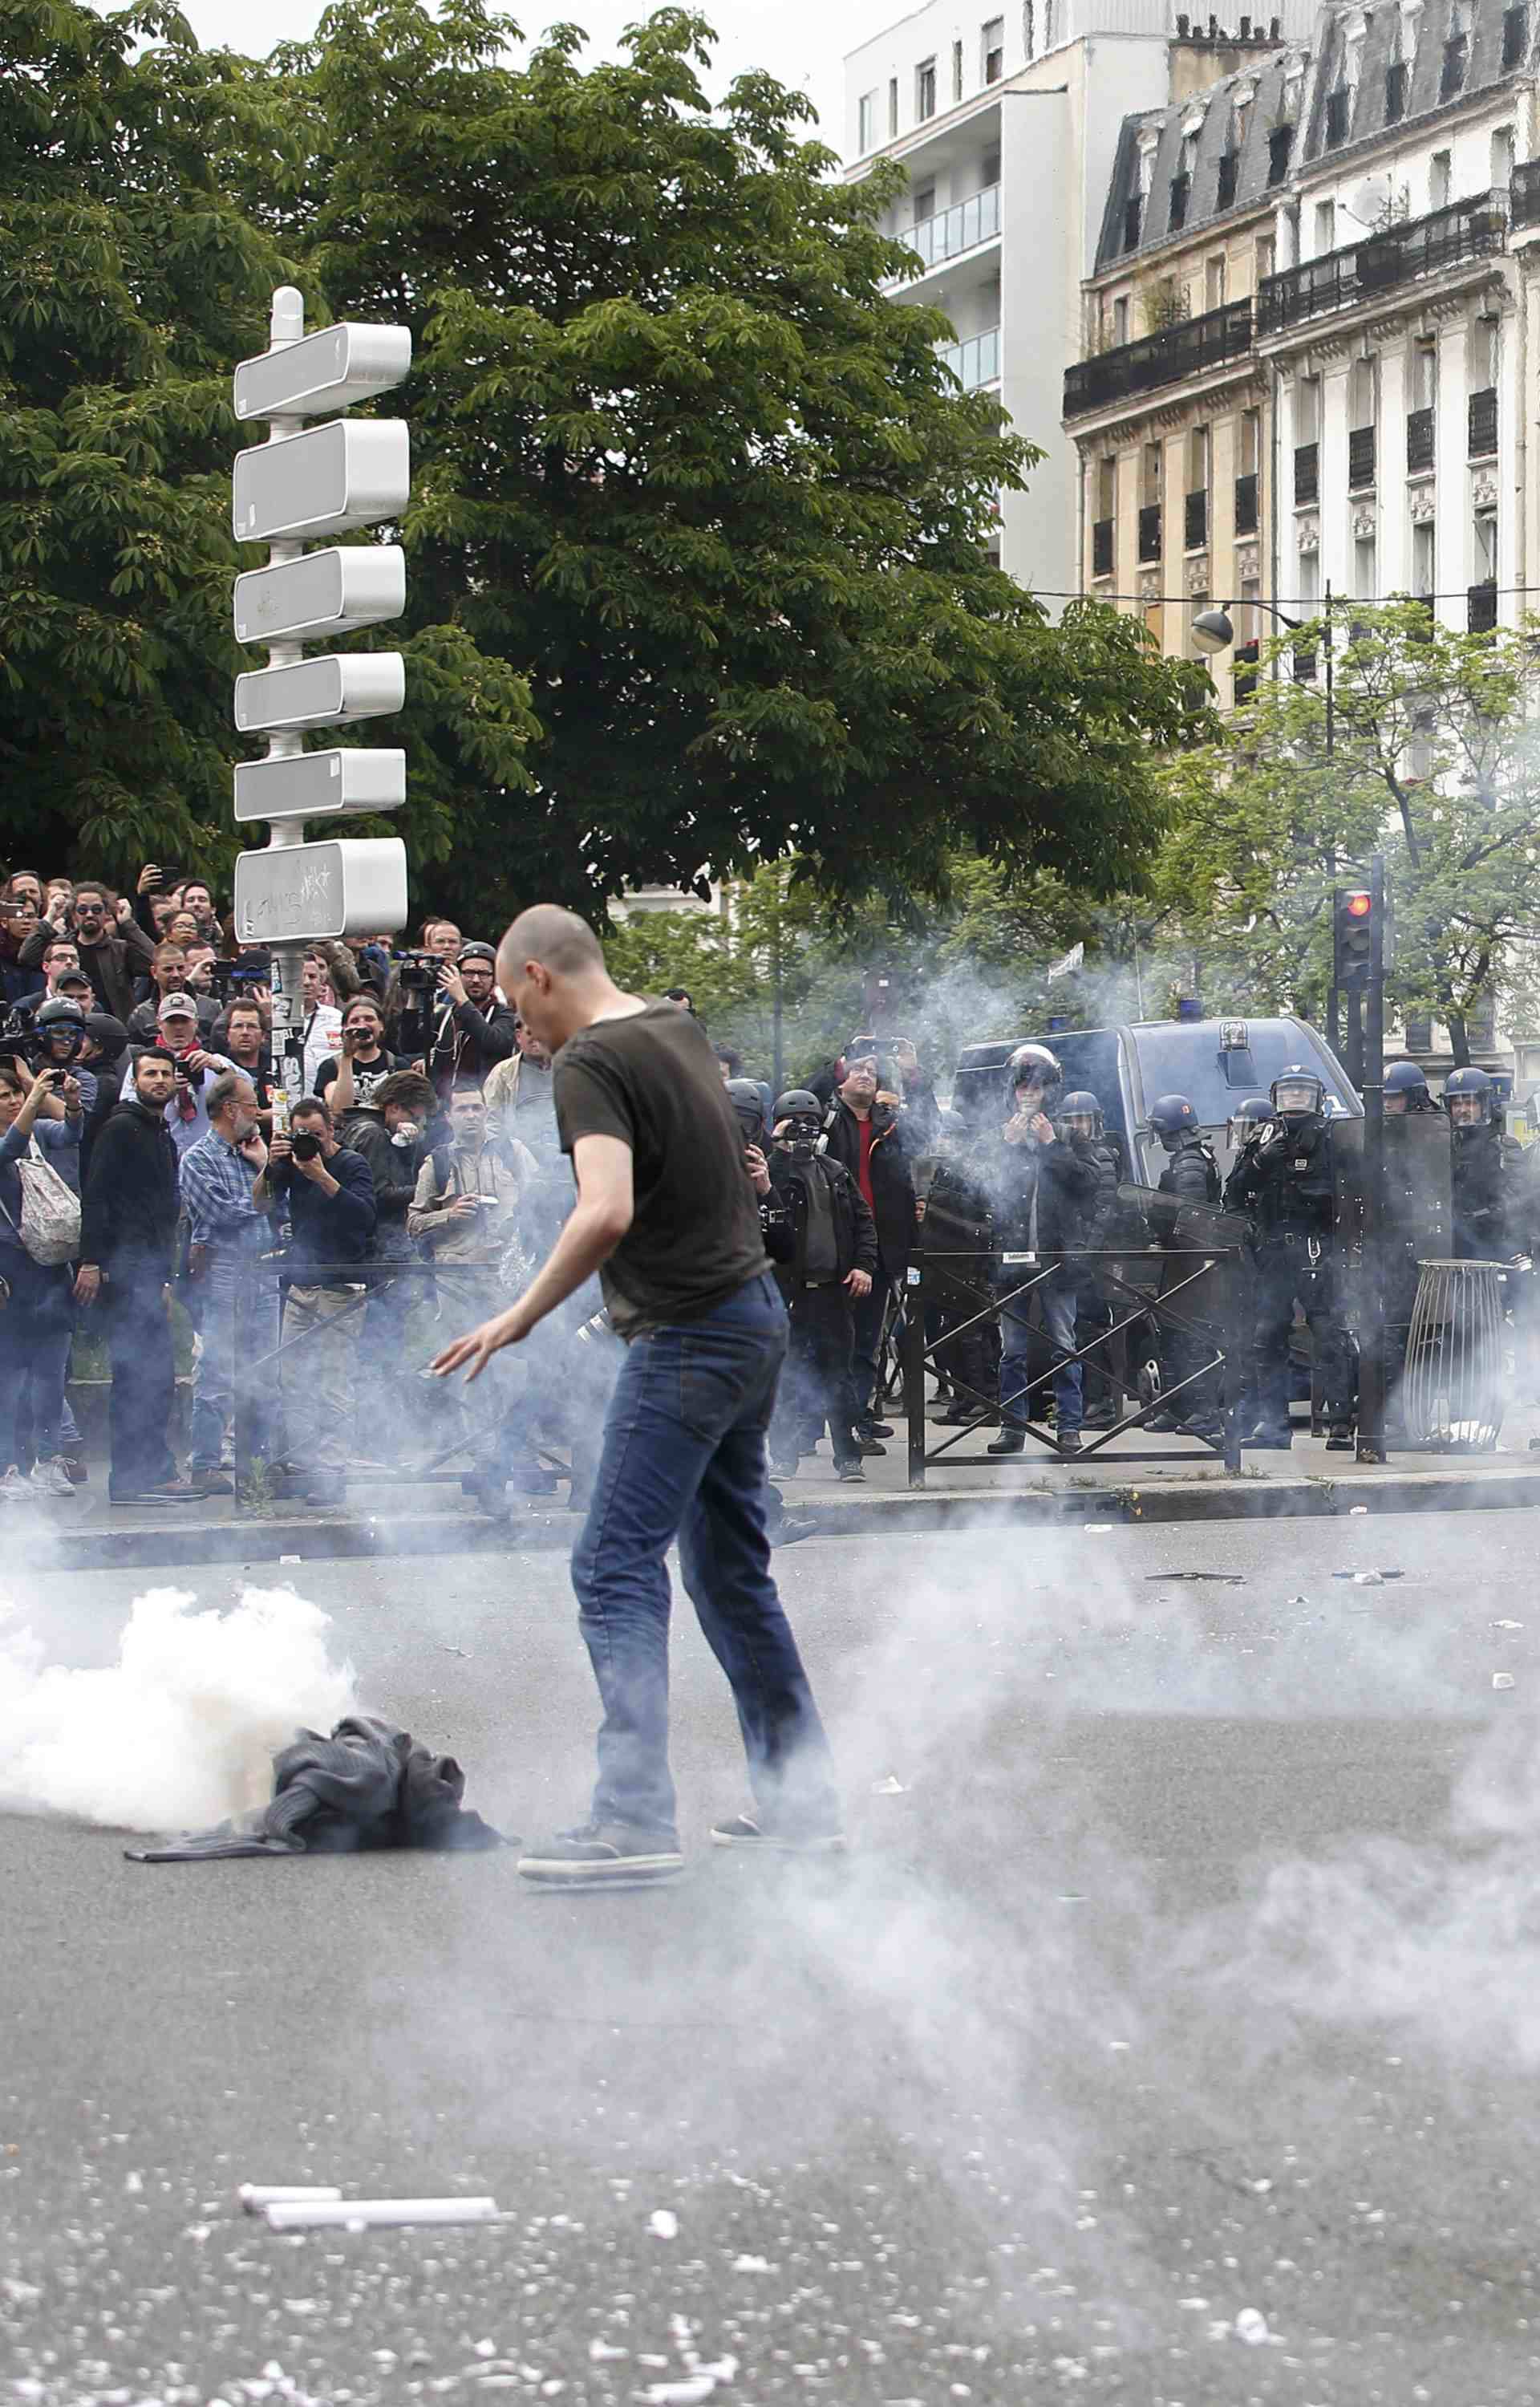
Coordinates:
(802, 1109)
(62, 1023)
(1172, 1117)
(748, 1107)
(1405, 1078)
(1297, 1092)
(1082, 1106)
(1034, 1066)
(1251, 1113)
(1469, 1098)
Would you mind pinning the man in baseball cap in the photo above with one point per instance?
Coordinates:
(474, 1030)
(179, 1034)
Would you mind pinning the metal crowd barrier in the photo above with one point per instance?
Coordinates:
(1221, 1334)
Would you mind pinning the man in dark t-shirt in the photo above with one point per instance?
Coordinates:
(665, 1216)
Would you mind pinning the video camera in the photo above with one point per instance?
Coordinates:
(417, 975)
(234, 981)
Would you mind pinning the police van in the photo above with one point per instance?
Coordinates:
(1216, 1063)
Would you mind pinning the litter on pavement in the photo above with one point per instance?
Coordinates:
(360, 2214)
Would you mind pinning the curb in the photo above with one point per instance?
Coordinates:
(909, 1512)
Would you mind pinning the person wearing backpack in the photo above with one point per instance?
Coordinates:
(39, 1230)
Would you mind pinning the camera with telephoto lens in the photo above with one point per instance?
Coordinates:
(230, 979)
(305, 1145)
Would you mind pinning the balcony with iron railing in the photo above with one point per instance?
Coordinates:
(1524, 195)
(1149, 533)
(1481, 425)
(951, 232)
(1361, 458)
(1101, 547)
(1176, 352)
(1245, 504)
(1306, 473)
(1341, 279)
(975, 362)
(1420, 441)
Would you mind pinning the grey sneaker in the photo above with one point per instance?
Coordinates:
(600, 1854)
(743, 1831)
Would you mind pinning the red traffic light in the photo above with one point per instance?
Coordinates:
(1358, 907)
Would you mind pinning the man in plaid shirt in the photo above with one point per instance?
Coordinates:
(226, 1228)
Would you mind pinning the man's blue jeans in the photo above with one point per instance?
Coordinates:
(684, 1455)
(1055, 1299)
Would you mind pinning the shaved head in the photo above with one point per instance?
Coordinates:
(551, 968)
(559, 940)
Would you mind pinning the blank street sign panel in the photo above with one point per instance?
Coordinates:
(332, 592)
(320, 692)
(327, 371)
(322, 482)
(348, 778)
(354, 886)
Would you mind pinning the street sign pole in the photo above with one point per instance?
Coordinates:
(1371, 1367)
(307, 480)
(286, 327)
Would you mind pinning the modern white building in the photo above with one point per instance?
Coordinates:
(1008, 125)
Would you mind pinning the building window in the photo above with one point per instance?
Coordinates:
(1177, 217)
(1339, 107)
(1120, 319)
(1365, 571)
(956, 72)
(1501, 159)
(1213, 282)
(1048, 24)
(925, 203)
(1363, 412)
(1395, 92)
(1229, 169)
(1280, 141)
(1325, 227)
(1266, 255)
(1456, 51)
(1029, 28)
(992, 44)
(1516, 34)
(1423, 550)
(1107, 486)
(1438, 180)
(925, 91)
(893, 105)
(1424, 375)
(866, 123)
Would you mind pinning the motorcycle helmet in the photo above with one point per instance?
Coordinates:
(1081, 1115)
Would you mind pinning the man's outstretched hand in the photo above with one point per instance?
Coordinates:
(478, 1346)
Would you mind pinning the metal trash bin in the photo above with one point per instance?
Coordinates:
(1451, 1394)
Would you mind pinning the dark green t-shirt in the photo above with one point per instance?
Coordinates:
(653, 1081)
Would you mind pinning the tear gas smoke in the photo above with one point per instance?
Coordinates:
(180, 1730)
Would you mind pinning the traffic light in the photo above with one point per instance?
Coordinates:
(1355, 932)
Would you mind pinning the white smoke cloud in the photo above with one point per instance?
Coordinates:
(180, 1730)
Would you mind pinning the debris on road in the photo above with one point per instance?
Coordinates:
(1251, 2327)
(1097, 1528)
(1228, 1579)
(663, 2223)
(888, 1788)
(361, 2214)
(1503, 1680)
(1507, 1625)
(1357, 1508)
(254, 2195)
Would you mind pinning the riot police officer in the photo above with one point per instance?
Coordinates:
(1406, 1091)
(1251, 1115)
(1248, 1125)
(1082, 1127)
(1192, 1175)
(1039, 1193)
(1482, 1162)
(1285, 1184)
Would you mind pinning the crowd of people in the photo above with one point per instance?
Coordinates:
(152, 1152)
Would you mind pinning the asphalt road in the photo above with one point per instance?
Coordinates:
(1193, 1969)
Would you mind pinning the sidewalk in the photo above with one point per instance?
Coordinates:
(386, 1515)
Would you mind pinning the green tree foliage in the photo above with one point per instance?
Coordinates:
(1434, 762)
(695, 539)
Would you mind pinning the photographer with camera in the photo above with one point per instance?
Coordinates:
(37, 1317)
(351, 1080)
(474, 1030)
(112, 961)
(226, 1228)
(330, 1196)
(128, 1231)
(192, 1066)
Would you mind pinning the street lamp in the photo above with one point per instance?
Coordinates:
(1214, 630)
